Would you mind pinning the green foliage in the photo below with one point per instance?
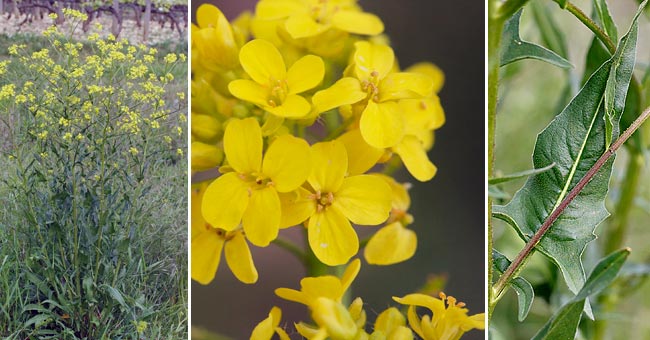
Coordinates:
(612, 97)
(516, 49)
(92, 232)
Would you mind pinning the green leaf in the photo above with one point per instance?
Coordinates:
(603, 274)
(524, 290)
(513, 48)
(521, 174)
(597, 54)
(525, 296)
(604, 18)
(619, 79)
(563, 324)
(496, 193)
(574, 140)
(551, 35)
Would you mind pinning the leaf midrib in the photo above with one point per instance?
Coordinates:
(574, 167)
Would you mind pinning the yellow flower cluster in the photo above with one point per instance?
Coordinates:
(323, 296)
(106, 88)
(300, 106)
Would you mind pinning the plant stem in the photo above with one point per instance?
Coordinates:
(290, 247)
(591, 25)
(618, 227)
(515, 266)
(495, 27)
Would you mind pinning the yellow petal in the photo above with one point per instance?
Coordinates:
(302, 26)
(292, 295)
(278, 9)
(208, 15)
(361, 155)
(414, 320)
(265, 329)
(357, 22)
(422, 115)
(431, 70)
(296, 207)
(369, 58)
(322, 286)
(262, 61)
(294, 106)
(433, 304)
(261, 220)
(282, 334)
(309, 332)
(412, 152)
(205, 156)
(351, 272)
(305, 74)
(225, 201)
(334, 317)
(332, 238)
(477, 321)
(382, 125)
(329, 165)
(389, 320)
(239, 259)
(249, 91)
(401, 333)
(287, 162)
(391, 244)
(344, 92)
(401, 199)
(364, 199)
(402, 85)
(206, 253)
(215, 39)
(242, 143)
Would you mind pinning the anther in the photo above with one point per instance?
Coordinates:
(423, 105)
(374, 74)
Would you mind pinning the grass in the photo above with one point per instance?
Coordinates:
(139, 290)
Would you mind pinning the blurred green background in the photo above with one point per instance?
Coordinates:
(449, 210)
(530, 95)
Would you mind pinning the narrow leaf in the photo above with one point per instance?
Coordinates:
(574, 140)
(525, 296)
(619, 79)
(521, 174)
(513, 48)
(523, 288)
(603, 274)
(564, 324)
(604, 18)
(551, 35)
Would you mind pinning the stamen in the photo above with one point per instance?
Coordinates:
(423, 105)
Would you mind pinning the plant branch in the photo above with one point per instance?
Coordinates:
(290, 247)
(591, 25)
(495, 28)
(532, 243)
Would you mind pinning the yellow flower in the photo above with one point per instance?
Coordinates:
(269, 326)
(449, 320)
(393, 243)
(312, 17)
(214, 39)
(391, 324)
(332, 201)
(274, 88)
(323, 296)
(208, 242)
(374, 84)
(250, 194)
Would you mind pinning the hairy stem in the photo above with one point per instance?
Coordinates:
(515, 266)
(495, 27)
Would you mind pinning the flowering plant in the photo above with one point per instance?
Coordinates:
(306, 114)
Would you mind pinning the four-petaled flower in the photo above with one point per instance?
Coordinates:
(274, 88)
(313, 17)
(332, 200)
(376, 88)
(449, 320)
(249, 195)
